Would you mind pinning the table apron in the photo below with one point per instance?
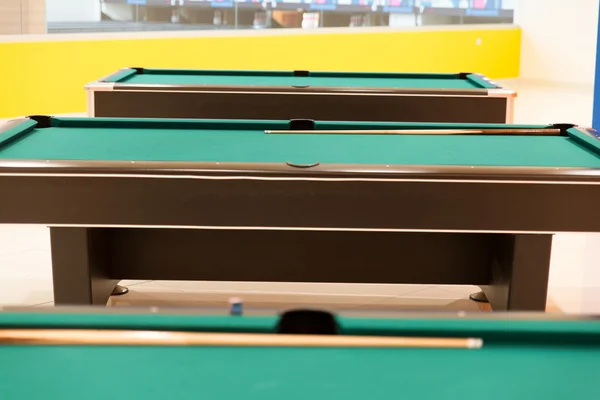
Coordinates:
(300, 204)
(443, 108)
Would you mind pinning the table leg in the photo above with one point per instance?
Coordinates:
(520, 267)
(81, 266)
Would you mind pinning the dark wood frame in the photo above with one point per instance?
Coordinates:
(109, 99)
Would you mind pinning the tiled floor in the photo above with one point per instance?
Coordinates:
(26, 279)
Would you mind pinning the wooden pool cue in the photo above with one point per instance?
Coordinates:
(541, 132)
(85, 337)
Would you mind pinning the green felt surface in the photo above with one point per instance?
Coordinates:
(503, 369)
(201, 141)
(254, 373)
(319, 79)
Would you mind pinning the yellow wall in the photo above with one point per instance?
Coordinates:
(48, 77)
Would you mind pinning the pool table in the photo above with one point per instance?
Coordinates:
(522, 357)
(300, 201)
(333, 96)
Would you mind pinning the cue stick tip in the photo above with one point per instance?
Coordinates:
(475, 343)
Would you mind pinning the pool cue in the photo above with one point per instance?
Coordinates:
(541, 132)
(166, 338)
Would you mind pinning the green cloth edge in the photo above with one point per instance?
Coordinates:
(451, 326)
(122, 77)
(476, 79)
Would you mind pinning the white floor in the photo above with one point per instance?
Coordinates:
(26, 279)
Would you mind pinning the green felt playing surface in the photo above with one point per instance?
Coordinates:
(256, 373)
(505, 368)
(246, 142)
(315, 79)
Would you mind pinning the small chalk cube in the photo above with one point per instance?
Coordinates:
(235, 306)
